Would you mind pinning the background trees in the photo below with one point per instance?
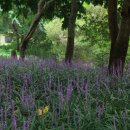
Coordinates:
(43, 9)
(89, 27)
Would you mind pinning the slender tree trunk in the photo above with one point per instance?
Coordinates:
(113, 27)
(14, 26)
(71, 32)
(27, 37)
(119, 52)
(40, 12)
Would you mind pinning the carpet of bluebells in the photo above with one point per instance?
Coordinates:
(46, 95)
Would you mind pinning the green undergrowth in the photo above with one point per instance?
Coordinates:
(48, 95)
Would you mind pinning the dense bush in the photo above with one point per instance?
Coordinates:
(42, 95)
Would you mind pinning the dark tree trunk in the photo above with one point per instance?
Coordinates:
(27, 37)
(13, 54)
(24, 43)
(120, 48)
(71, 32)
(14, 26)
(113, 27)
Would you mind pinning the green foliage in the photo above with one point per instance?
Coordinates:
(96, 24)
(91, 40)
(58, 37)
(59, 8)
(54, 31)
(92, 36)
(94, 28)
(5, 51)
(91, 32)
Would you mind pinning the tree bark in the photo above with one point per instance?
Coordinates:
(27, 37)
(14, 26)
(71, 32)
(120, 48)
(42, 6)
(113, 27)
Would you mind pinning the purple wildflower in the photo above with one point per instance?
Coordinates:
(14, 125)
(69, 92)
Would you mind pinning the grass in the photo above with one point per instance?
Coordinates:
(45, 95)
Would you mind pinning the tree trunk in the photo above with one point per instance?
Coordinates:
(14, 26)
(113, 27)
(119, 51)
(13, 54)
(26, 38)
(40, 12)
(71, 32)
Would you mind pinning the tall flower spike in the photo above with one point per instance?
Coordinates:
(25, 125)
(14, 125)
(69, 91)
(0, 91)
